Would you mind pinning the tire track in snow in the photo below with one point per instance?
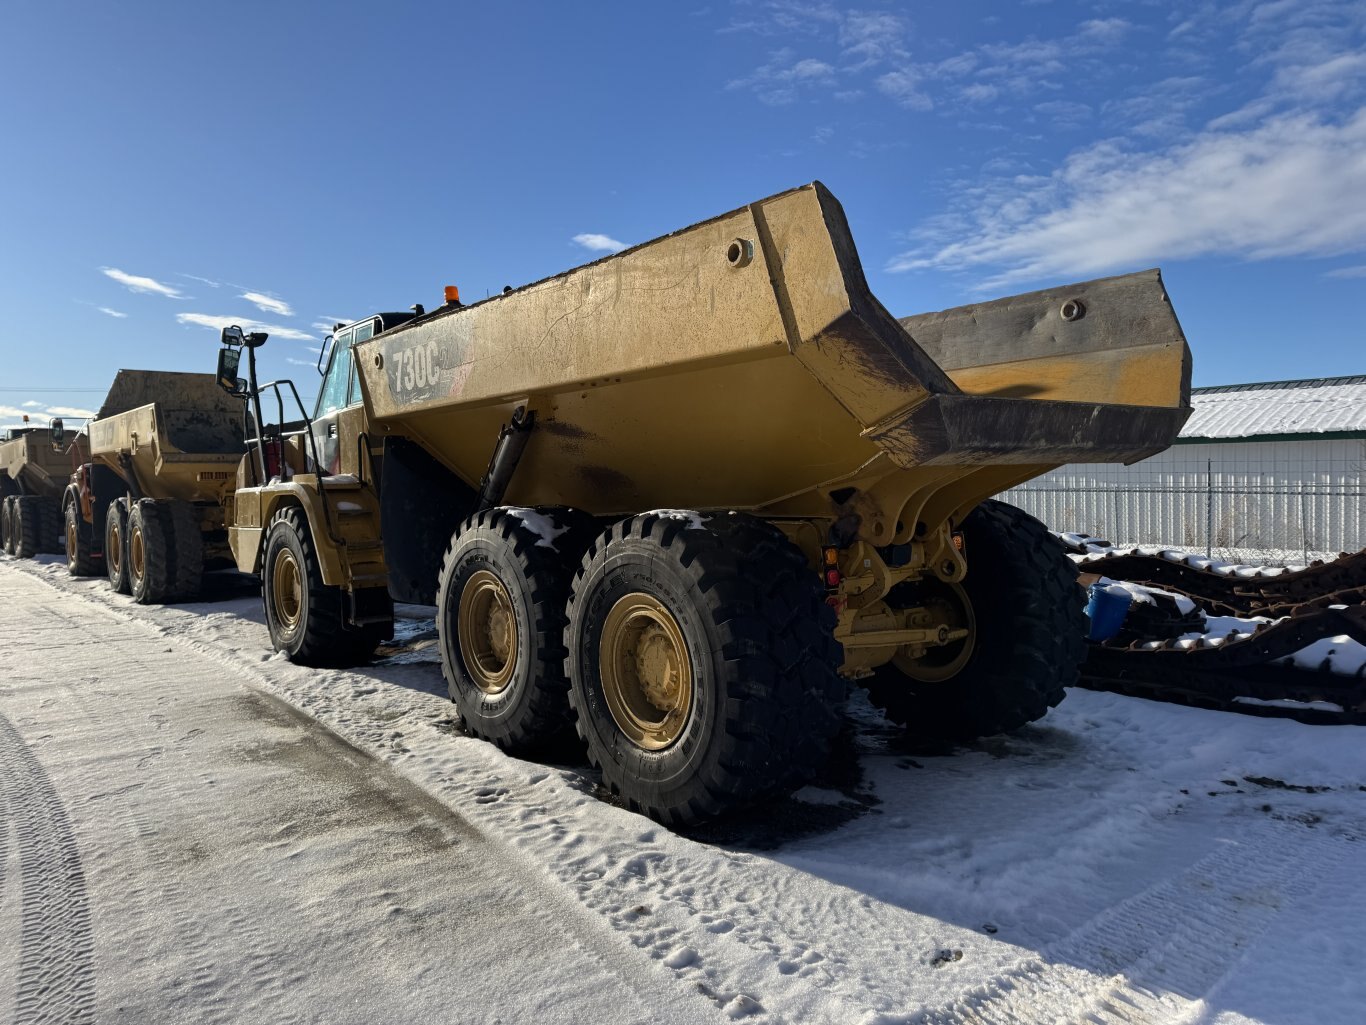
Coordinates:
(597, 941)
(1153, 958)
(56, 976)
(201, 985)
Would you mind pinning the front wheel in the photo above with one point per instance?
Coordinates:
(1023, 609)
(303, 614)
(702, 666)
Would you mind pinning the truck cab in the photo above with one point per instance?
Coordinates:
(338, 416)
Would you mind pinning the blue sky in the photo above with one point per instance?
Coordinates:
(172, 167)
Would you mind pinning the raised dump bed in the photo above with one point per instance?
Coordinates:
(677, 499)
(148, 508)
(35, 464)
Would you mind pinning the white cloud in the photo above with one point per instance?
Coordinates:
(246, 324)
(1358, 271)
(870, 38)
(36, 418)
(268, 303)
(1105, 30)
(599, 243)
(137, 283)
(301, 362)
(202, 281)
(905, 88)
(1239, 193)
(112, 313)
(781, 80)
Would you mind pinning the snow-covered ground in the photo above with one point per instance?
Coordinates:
(179, 843)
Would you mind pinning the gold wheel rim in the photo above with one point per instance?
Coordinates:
(287, 589)
(137, 558)
(942, 663)
(647, 676)
(115, 553)
(487, 629)
(70, 544)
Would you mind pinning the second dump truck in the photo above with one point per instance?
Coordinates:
(147, 510)
(678, 498)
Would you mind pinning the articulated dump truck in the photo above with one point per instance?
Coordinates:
(147, 509)
(35, 463)
(678, 498)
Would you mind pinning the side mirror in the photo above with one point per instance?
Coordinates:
(58, 431)
(322, 355)
(228, 360)
(233, 336)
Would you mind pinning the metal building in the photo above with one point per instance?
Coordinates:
(1266, 472)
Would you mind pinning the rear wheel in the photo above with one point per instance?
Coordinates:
(6, 530)
(51, 527)
(303, 614)
(501, 598)
(1027, 630)
(116, 545)
(702, 668)
(80, 561)
(26, 526)
(151, 575)
(187, 545)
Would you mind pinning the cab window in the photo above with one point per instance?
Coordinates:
(338, 380)
(362, 332)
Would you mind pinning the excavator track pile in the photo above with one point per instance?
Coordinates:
(1255, 662)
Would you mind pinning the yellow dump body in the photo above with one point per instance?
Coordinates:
(176, 435)
(742, 363)
(35, 466)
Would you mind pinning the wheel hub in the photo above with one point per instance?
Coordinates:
(114, 556)
(947, 607)
(287, 588)
(647, 677)
(487, 630)
(137, 557)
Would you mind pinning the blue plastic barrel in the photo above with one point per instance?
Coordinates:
(1107, 610)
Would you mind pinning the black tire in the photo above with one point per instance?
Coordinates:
(1030, 636)
(27, 519)
(151, 553)
(766, 695)
(517, 698)
(80, 560)
(6, 533)
(116, 545)
(187, 553)
(306, 619)
(52, 527)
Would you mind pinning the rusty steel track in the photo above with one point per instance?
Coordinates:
(1340, 582)
(1249, 673)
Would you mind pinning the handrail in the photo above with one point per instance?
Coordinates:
(259, 440)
